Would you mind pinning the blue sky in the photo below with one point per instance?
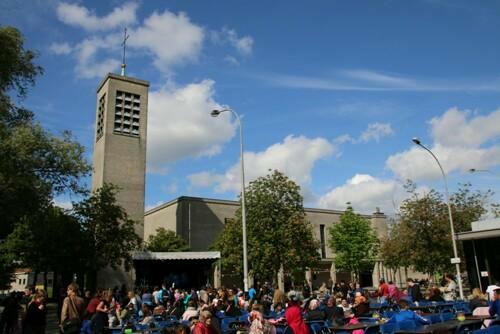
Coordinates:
(329, 92)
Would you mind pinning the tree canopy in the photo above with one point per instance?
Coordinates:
(35, 165)
(277, 231)
(422, 236)
(354, 242)
(110, 234)
(166, 241)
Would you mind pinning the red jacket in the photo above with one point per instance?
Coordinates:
(293, 315)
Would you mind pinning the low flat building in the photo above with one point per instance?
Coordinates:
(482, 256)
(200, 220)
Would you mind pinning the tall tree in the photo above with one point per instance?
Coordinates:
(51, 242)
(422, 238)
(277, 231)
(34, 164)
(109, 232)
(166, 241)
(354, 242)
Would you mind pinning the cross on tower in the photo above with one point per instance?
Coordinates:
(124, 44)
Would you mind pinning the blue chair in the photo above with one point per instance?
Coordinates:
(318, 327)
(388, 328)
(406, 325)
(489, 330)
(446, 316)
(433, 318)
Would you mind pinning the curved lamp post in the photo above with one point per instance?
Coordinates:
(216, 113)
(473, 170)
(456, 259)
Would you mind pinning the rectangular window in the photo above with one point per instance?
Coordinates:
(100, 117)
(127, 113)
(322, 240)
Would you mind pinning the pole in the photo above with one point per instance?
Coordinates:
(455, 252)
(215, 113)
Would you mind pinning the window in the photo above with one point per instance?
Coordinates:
(127, 113)
(100, 117)
(322, 240)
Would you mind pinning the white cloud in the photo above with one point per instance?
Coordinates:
(244, 45)
(86, 54)
(365, 193)
(295, 157)
(375, 82)
(170, 38)
(79, 16)
(60, 48)
(180, 125)
(457, 128)
(376, 131)
(231, 60)
(459, 144)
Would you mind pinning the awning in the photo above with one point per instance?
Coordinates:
(166, 256)
(474, 235)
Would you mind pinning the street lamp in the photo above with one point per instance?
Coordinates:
(456, 259)
(216, 113)
(473, 170)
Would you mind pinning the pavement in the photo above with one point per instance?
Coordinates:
(52, 319)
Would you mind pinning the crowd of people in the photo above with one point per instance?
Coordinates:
(200, 311)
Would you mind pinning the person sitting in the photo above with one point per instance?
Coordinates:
(258, 325)
(204, 325)
(495, 305)
(191, 311)
(352, 320)
(147, 316)
(361, 305)
(405, 314)
(314, 313)
(435, 295)
(477, 299)
(334, 313)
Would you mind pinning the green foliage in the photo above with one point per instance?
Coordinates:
(230, 244)
(34, 164)
(277, 232)
(354, 242)
(422, 237)
(51, 242)
(109, 232)
(166, 241)
(17, 70)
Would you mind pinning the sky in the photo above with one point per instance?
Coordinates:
(329, 92)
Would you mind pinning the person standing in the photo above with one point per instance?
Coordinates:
(36, 315)
(293, 314)
(72, 311)
(383, 291)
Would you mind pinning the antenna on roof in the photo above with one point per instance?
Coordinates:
(124, 44)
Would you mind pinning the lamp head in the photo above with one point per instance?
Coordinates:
(215, 113)
(416, 140)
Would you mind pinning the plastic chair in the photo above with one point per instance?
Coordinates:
(406, 325)
(318, 327)
(446, 316)
(389, 328)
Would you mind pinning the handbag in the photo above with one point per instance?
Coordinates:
(72, 326)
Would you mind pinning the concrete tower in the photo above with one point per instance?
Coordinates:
(120, 145)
